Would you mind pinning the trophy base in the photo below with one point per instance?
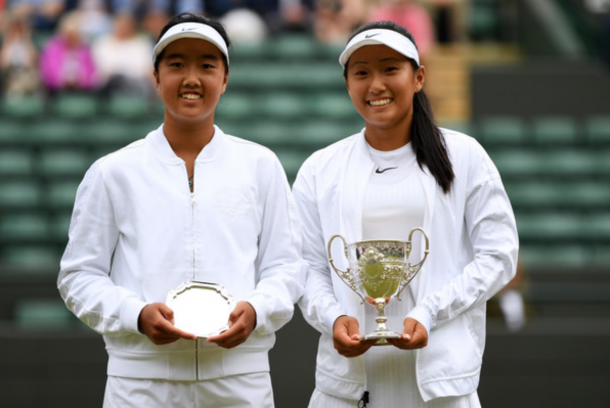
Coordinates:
(381, 337)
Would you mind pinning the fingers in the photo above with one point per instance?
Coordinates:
(346, 337)
(413, 337)
(156, 322)
(242, 321)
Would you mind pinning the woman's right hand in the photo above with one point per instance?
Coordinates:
(156, 321)
(346, 337)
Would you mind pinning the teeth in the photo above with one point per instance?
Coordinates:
(191, 96)
(380, 102)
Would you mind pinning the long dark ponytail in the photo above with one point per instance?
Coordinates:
(426, 138)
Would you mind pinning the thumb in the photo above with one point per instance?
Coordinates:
(166, 312)
(409, 328)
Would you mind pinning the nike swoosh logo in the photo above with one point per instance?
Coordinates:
(371, 35)
(189, 28)
(379, 171)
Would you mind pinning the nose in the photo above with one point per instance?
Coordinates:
(191, 77)
(377, 84)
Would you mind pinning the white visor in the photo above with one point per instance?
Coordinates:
(390, 38)
(191, 30)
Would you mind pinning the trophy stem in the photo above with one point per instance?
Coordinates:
(382, 333)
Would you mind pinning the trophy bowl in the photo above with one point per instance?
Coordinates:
(378, 271)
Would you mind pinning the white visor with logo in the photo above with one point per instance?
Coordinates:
(191, 30)
(380, 36)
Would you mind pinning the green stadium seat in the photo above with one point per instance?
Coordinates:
(42, 314)
(23, 226)
(316, 134)
(552, 130)
(32, 258)
(60, 225)
(128, 107)
(597, 225)
(555, 256)
(291, 160)
(268, 133)
(281, 105)
(235, 106)
(291, 47)
(333, 106)
(81, 106)
(13, 129)
(597, 129)
(71, 162)
(14, 161)
(502, 130)
(61, 193)
(569, 162)
(517, 162)
(56, 130)
(31, 107)
(19, 194)
(550, 226)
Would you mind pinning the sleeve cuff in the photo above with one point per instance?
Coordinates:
(422, 316)
(259, 304)
(332, 315)
(130, 314)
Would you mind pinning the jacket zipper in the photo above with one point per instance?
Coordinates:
(193, 260)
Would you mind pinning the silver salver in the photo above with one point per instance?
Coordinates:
(378, 271)
(201, 308)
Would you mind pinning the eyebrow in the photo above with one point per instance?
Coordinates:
(381, 60)
(204, 56)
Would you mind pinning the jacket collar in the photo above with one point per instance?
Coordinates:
(164, 151)
(356, 176)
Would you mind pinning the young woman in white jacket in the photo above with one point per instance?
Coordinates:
(187, 202)
(402, 171)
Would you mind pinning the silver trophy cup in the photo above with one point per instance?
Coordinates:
(378, 271)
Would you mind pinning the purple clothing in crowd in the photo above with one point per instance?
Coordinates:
(62, 67)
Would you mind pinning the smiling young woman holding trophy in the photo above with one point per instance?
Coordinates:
(399, 174)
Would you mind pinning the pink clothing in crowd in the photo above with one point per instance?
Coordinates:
(413, 17)
(62, 67)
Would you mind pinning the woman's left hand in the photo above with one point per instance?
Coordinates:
(242, 321)
(413, 337)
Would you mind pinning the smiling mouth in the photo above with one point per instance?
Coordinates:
(380, 102)
(191, 96)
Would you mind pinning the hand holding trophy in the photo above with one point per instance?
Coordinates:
(379, 270)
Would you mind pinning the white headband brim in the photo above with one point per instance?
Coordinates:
(378, 36)
(191, 30)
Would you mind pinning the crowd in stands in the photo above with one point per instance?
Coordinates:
(53, 46)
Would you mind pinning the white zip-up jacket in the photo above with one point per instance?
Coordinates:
(137, 232)
(473, 254)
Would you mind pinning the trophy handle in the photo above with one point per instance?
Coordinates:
(343, 275)
(413, 269)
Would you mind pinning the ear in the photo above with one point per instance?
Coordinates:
(157, 81)
(420, 77)
(225, 82)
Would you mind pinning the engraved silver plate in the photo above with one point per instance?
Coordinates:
(201, 308)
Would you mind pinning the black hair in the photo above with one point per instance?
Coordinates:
(194, 18)
(426, 138)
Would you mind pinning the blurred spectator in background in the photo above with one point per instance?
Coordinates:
(95, 18)
(411, 15)
(41, 14)
(122, 58)
(449, 18)
(18, 59)
(66, 62)
(335, 20)
(244, 26)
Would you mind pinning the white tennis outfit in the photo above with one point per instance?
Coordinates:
(350, 189)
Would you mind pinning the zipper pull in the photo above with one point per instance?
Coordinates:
(364, 400)
(193, 200)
